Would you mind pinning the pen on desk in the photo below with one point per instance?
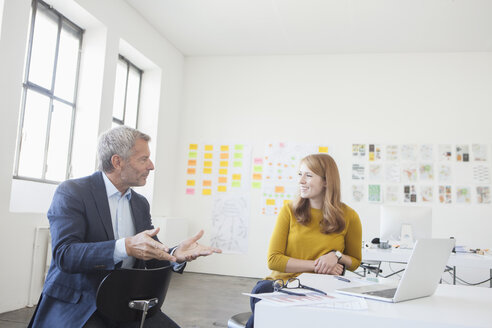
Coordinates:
(341, 278)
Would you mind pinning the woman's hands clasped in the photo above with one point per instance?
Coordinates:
(328, 264)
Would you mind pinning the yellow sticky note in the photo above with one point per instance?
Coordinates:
(322, 149)
(207, 183)
(207, 170)
(224, 148)
(190, 182)
(206, 191)
(224, 163)
(223, 171)
(193, 146)
(270, 201)
(221, 188)
(209, 147)
(236, 177)
(207, 163)
(208, 155)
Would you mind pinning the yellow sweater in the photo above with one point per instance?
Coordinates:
(291, 239)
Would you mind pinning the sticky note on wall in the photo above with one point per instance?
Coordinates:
(279, 189)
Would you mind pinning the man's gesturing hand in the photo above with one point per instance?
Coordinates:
(189, 249)
(142, 246)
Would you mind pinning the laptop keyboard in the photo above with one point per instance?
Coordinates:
(387, 293)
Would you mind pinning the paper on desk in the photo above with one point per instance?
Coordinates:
(331, 300)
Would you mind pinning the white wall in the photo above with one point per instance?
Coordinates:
(111, 26)
(336, 100)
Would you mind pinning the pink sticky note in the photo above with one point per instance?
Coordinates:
(190, 191)
(258, 161)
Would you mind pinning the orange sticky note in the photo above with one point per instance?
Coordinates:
(223, 171)
(279, 189)
(191, 170)
(222, 179)
(209, 147)
(224, 163)
(207, 183)
(257, 176)
(190, 182)
(206, 191)
(236, 177)
(221, 188)
(224, 155)
(192, 162)
(207, 170)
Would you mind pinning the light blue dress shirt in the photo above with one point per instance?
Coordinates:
(122, 220)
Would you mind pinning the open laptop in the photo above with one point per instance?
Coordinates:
(421, 276)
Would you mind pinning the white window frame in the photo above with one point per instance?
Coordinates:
(30, 86)
(129, 65)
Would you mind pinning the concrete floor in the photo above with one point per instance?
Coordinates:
(194, 300)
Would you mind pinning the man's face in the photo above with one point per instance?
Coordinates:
(136, 169)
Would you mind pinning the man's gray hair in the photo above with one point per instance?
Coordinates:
(117, 141)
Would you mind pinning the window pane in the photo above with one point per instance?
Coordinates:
(132, 98)
(66, 69)
(114, 125)
(61, 120)
(43, 47)
(33, 136)
(119, 90)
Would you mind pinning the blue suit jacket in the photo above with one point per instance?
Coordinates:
(83, 246)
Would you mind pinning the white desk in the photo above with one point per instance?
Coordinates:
(450, 306)
(399, 255)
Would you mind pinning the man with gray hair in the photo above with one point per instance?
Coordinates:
(98, 224)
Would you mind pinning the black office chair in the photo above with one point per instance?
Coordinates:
(128, 295)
